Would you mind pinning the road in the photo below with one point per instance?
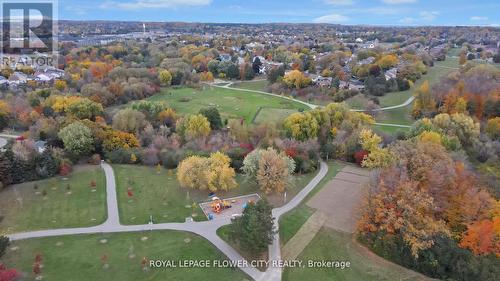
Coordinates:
(206, 229)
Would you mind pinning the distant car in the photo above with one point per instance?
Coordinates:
(235, 216)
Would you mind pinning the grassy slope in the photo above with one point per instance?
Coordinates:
(160, 195)
(257, 85)
(330, 245)
(82, 254)
(231, 104)
(23, 209)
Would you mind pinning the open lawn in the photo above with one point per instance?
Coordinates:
(266, 115)
(25, 208)
(399, 116)
(160, 195)
(79, 257)
(256, 85)
(330, 245)
(231, 104)
(389, 129)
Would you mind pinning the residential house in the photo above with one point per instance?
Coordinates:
(225, 57)
(322, 81)
(368, 60)
(18, 78)
(391, 73)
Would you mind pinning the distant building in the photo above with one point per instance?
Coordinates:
(391, 73)
(368, 60)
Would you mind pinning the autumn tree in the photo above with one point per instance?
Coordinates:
(403, 210)
(118, 139)
(388, 61)
(168, 117)
(482, 237)
(296, 79)
(377, 157)
(77, 138)
(60, 85)
(424, 104)
(270, 169)
(493, 128)
(85, 109)
(301, 126)
(212, 173)
(165, 77)
(4, 114)
(129, 120)
(193, 126)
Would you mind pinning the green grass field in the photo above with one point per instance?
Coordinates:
(331, 245)
(266, 114)
(160, 195)
(256, 85)
(25, 208)
(78, 258)
(389, 129)
(231, 104)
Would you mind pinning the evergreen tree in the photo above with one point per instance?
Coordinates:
(253, 231)
(213, 116)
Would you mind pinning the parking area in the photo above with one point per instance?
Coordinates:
(237, 204)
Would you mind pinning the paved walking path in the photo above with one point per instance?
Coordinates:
(206, 229)
(306, 233)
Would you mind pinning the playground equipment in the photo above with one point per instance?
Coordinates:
(219, 205)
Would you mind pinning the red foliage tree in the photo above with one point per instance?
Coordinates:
(359, 156)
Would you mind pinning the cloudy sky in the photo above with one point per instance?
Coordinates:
(373, 12)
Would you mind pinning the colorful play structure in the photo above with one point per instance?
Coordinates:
(219, 205)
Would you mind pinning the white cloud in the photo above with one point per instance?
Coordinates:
(333, 18)
(399, 1)
(154, 4)
(340, 2)
(407, 20)
(478, 18)
(428, 15)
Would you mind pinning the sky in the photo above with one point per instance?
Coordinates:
(348, 12)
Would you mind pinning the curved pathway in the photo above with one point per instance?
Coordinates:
(228, 84)
(206, 229)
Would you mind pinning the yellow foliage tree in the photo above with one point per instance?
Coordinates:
(213, 173)
(428, 136)
(193, 126)
(296, 79)
(60, 85)
(378, 157)
(301, 126)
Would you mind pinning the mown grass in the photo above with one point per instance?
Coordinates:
(25, 208)
(79, 257)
